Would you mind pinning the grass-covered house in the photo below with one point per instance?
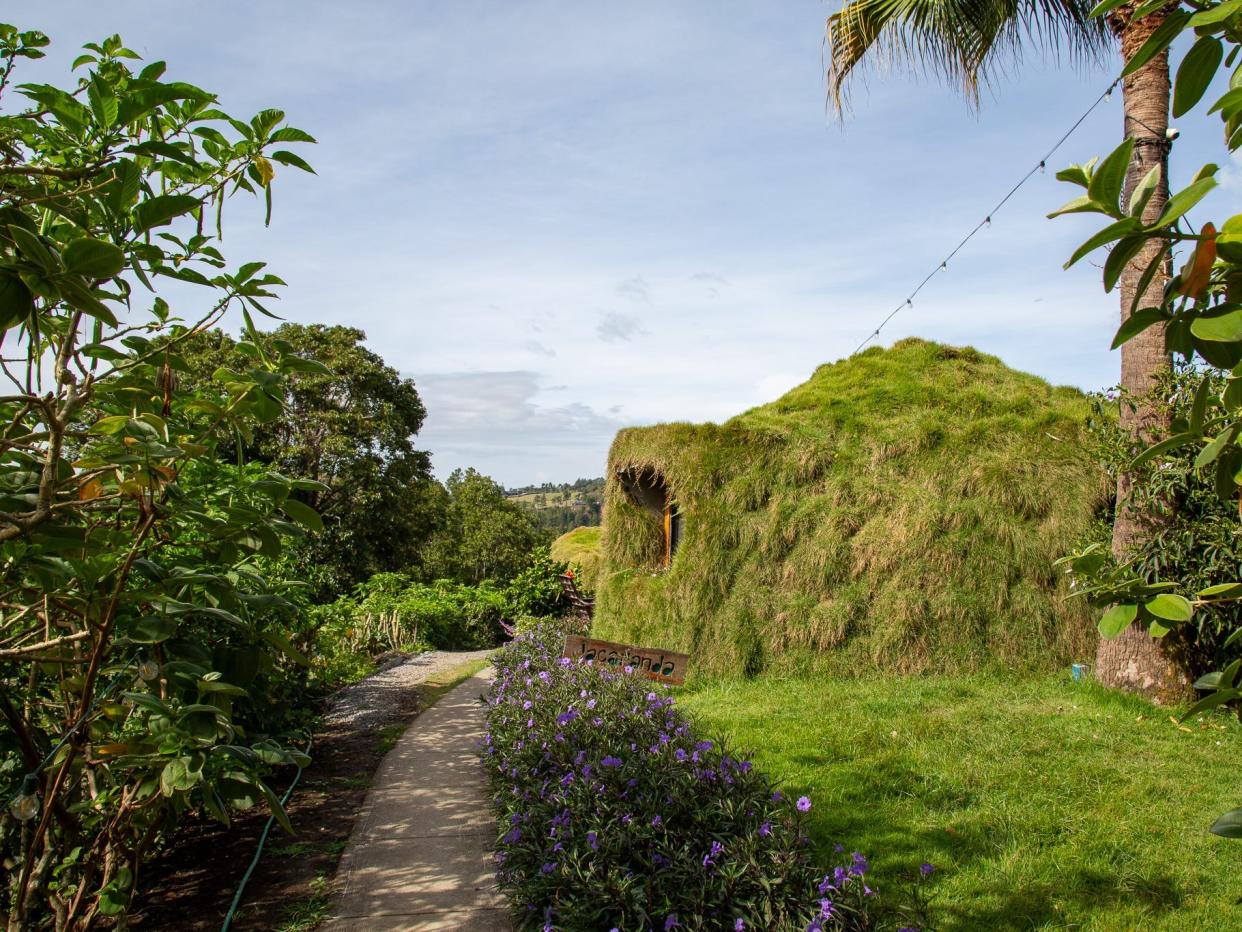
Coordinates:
(899, 511)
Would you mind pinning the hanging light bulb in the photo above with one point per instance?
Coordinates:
(25, 805)
(944, 266)
(149, 670)
(1042, 166)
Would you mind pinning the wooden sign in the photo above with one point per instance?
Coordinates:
(663, 665)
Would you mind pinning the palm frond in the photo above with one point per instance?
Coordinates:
(966, 42)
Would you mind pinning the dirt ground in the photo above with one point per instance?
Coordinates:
(190, 885)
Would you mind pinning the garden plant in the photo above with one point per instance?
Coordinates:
(1196, 316)
(136, 629)
(615, 814)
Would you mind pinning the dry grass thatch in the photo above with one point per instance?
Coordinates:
(899, 511)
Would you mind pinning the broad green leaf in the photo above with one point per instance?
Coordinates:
(1111, 232)
(1222, 328)
(153, 629)
(1198, 408)
(103, 102)
(1120, 256)
(1221, 590)
(303, 514)
(1183, 200)
(33, 249)
(1155, 264)
(1170, 607)
(93, 258)
(278, 640)
(1079, 205)
(1143, 191)
(1229, 825)
(1106, 6)
(1116, 620)
(16, 300)
(1208, 681)
(278, 810)
(284, 157)
(157, 211)
(1159, 40)
(1214, 449)
(1208, 703)
(1136, 323)
(1195, 73)
(1105, 187)
(290, 134)
(1216, 14)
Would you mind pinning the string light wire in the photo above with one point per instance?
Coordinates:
(943, 265)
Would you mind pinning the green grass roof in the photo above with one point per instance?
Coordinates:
(901, 510)
(581, 549)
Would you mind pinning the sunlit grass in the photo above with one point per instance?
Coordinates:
(1045, 804)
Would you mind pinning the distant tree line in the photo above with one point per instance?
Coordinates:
(560, 507)
(352, 429)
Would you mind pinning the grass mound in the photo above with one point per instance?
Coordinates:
(899, 511)
(580, 548)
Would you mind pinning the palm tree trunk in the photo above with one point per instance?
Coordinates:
(1135, 661)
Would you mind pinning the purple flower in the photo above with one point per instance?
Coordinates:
(671, 922)
(739, 924)
(611, 762)
(925, 869)
(765, 829)
(777, 796)
(804, 804)
(657, 820)
(592, 840)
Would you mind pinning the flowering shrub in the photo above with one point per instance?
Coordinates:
(615, 815)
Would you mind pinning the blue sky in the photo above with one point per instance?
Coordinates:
(562, 218)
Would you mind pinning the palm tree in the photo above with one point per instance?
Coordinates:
(966, 41)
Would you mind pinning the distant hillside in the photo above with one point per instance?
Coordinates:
(580, 549)
(561, 507)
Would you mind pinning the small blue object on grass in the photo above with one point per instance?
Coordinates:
(1079, 671)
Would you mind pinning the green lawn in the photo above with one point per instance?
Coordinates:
(1045, 804)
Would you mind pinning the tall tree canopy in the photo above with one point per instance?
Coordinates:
(484, 535)
(350, 426)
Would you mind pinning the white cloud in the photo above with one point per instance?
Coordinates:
(635, 289)
(494, 422)
(615, 327)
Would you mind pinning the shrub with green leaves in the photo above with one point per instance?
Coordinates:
(135, 620)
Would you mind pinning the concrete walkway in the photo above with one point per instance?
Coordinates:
(420, 854)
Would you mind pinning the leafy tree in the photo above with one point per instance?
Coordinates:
(349, 423)
(965, 42)
(1193, 535)
(132, 614)
(1199, 314)
(484, 535)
